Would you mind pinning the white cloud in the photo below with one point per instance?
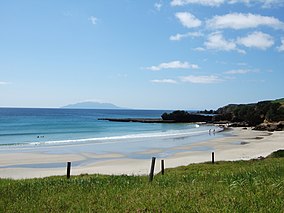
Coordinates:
(216, 3)
(264, 3)
(257, 40)
(281, 47)
(240, 71)
(272, 3)
(188, 20)
(164, 81)
(239, 1)
(202, 2)
(243, 21)
(4, 83)
(179, 36)
(94, 20)
(207, 79)
(216, 41)
(158, 6)
(173, 65)
(199, 49)
(194, 66)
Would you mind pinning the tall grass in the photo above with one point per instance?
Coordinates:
(243, 186)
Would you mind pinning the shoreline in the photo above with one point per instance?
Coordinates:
(238, 144)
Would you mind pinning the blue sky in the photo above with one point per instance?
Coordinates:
(175, 54)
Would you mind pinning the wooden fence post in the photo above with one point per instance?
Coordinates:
(162, 167)
(68, 169)
(213, 158)
(151, 175)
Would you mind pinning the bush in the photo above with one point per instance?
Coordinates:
(252, 114)
(183, 116)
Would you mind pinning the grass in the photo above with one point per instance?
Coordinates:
(281, 101)
(242, 186)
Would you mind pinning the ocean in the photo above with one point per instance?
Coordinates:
(79, 130)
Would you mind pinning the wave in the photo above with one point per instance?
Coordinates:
(114, 139)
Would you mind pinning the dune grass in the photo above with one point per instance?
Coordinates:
(242, 186)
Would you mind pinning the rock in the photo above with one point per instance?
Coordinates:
(140, 120)
(239, 124)
(279, 126)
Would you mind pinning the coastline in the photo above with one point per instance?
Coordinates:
(238, 144)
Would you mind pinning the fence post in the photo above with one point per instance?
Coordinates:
(68, 169)
(151, 175)
(213, 158)
(163, 167)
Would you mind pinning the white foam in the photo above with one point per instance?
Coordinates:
(114, 139)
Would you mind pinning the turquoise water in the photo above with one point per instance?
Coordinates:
(39, 126)
(75, 131)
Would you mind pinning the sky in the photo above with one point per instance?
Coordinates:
(150, 54)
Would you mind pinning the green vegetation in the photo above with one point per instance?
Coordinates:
(244, 114)
(281, 101)
(243, 186)
(183, 116)
(252, 114)
(277, 154)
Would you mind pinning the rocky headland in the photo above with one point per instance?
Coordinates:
(264, 115)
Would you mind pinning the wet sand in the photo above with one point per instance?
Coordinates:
(239, 144)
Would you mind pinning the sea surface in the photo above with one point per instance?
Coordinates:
(79, 130)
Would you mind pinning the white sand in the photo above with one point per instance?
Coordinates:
(254, 144)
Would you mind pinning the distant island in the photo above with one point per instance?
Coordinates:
(91, 105)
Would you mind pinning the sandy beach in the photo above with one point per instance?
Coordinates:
(238, 144)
